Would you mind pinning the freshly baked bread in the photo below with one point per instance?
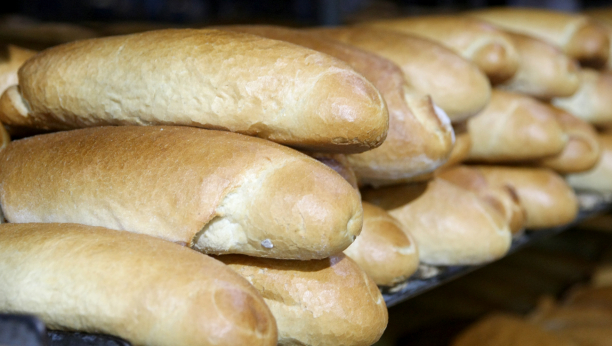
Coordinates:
(461, 150)
(489, 48)
(385, 249)
(11, 59)
(451, 224)
(581, 152)
(544, 72)
(145, 290)
(503, 198)
(216, 191)
(599, 178)
(324, 302)
(514, 127)
(593, 100)
(547, 199)
(508, 330)
(420, 137)
(575, 34)
(464, 90)
(340, 164)
(204, 78)
(603, 17)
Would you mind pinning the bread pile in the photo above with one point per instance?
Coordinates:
(256, 145)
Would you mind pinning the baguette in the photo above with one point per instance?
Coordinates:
(463, 91)
(547, 199)
(215, 191)
(544, 72)
(581, 153)
(513, 128)
(420, 137)
(205, 78)
(340, 164)
(385, 249)
(578, 36)
(489, 48)
(450, 224)
(599, 178)
(593, 100)
(145, 290)
(325, 302)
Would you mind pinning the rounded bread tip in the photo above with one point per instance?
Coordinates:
(497, 61)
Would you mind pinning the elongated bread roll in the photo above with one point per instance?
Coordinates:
(547, 199)
(581, 153)
(515, 127)
(420, 137)
(603, 17)
(340, 164)
(204, 78)
(451, 224)
(544, 72)
(489, 48)
(385, 249)
(11, 59)
(461, 149)
(575, 34)
(456, 85)
(598, 178)
(145, 290)
(593, 100)
(325, 302)
(216, 191)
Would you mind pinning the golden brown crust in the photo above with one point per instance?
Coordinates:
(545, 72)
(514, 127)
(575, 34)
(593, 100)
(218, 191)
(145, 290)
(599, 178)
(340, 164)
(460, 152)
(463, 91)
(325, 302)
(547, 199)
(385, 249)
(489, 48)
(451, 224)
(205, 78)
(419, 138)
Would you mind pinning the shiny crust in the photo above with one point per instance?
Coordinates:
(593, 100)
(419, 138)
(325, 302)
(385, 249)
(205, 78)
(545, 72)
(9, 64)
(575, 34)
(450, 224)
(145, 290)
(547, 199)
(464, 90)
(217, 191)
(514, 127)
(599, 178)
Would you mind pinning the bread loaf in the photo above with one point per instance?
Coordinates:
(463, 91)
(603, 17)
(547, 199)
(324, 302)
(461, 150)
(575, 34)
(514, 127)
(420, 136)
(544, 72)
(11, 59)
(385, 249)
(581, 152)
(451, 225)
(489, 48)
(340, 164)
(216, 191)
(204, 78)
(598, 178)
(593, 100)
(145, 290)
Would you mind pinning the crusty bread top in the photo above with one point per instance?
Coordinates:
(205, 78)
(146, 290)
(575, 34)
(593, 100)
(218, 191)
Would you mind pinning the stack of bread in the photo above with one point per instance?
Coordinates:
(257, 144)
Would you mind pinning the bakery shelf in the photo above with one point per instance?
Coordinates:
(429, 277)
